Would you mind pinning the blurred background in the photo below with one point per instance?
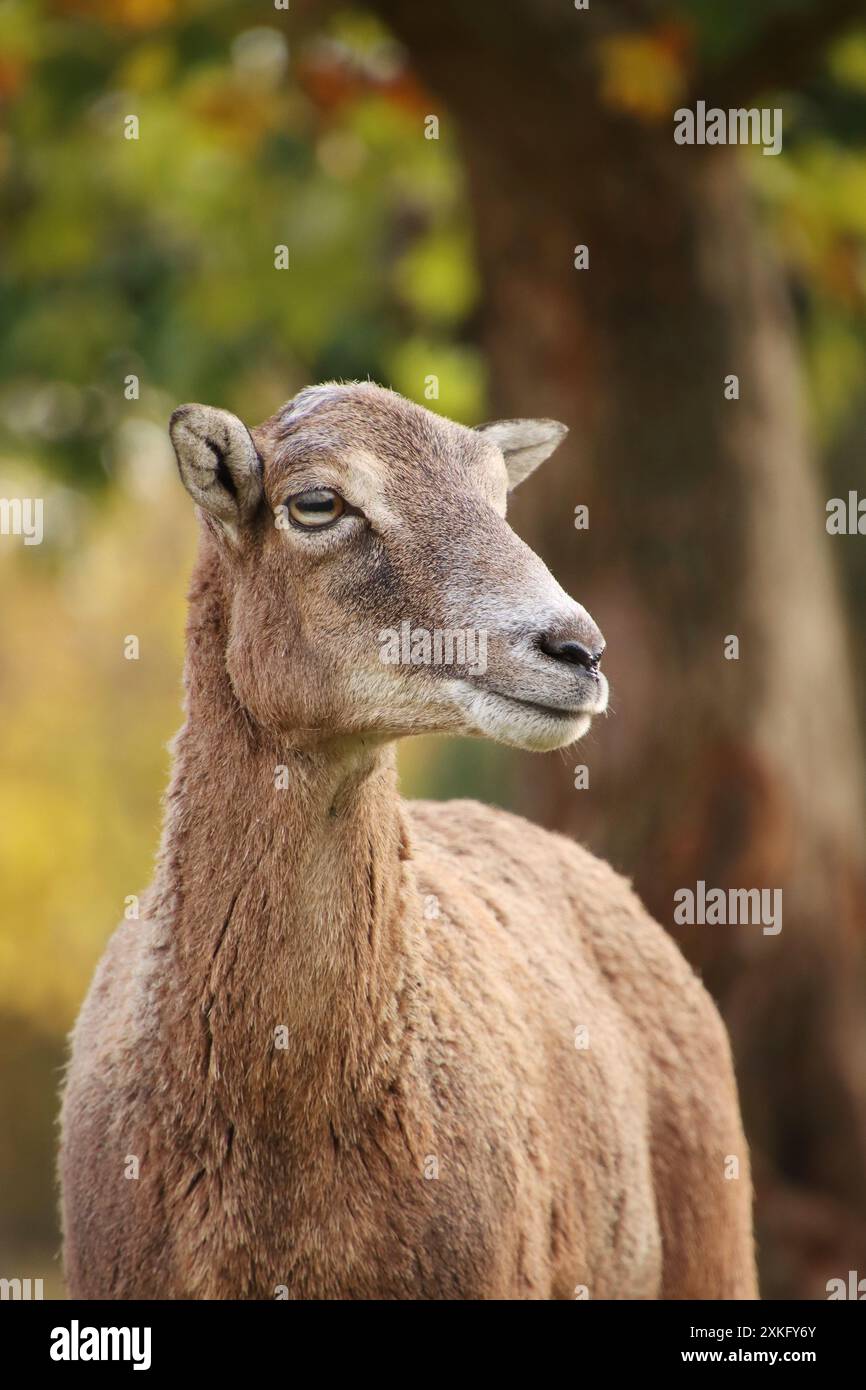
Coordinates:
(439, 256)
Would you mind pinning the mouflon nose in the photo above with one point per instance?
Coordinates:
(573, 652)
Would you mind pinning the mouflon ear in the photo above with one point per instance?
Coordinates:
(219, 464)
(525, 444)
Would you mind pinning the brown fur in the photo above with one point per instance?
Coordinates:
(431, 1130)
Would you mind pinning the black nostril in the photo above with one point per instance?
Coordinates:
(573, 652)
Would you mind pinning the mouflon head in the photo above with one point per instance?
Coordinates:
(374, 584)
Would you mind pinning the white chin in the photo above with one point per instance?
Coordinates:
(521, 726)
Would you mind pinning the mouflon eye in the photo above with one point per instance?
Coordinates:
(316, 508)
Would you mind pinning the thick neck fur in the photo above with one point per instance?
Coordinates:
(288, 907)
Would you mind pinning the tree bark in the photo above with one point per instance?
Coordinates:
(706, 521)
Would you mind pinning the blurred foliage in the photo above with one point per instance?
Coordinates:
(154, 258)
(721, 29)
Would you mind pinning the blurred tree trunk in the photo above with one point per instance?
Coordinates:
(706, 520)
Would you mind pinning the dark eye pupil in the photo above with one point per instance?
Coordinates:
(318, 507)
(319, 502)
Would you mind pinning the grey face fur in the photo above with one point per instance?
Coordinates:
(418, 538)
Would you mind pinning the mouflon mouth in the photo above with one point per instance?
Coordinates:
(593, 705)
(527, 723)
(551, 711)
